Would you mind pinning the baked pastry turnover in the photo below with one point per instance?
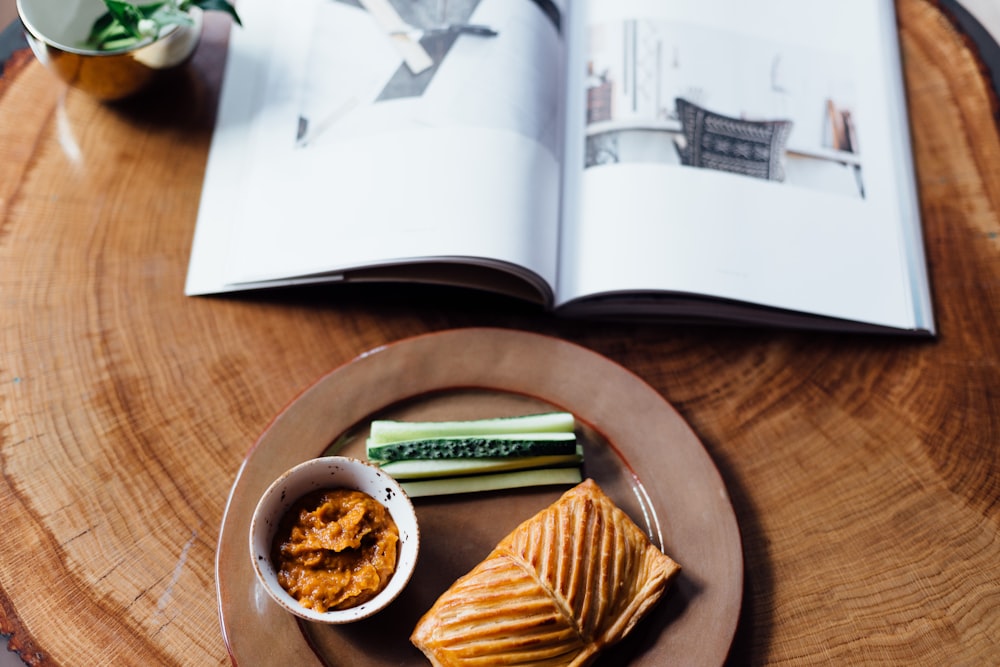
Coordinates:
(565, 584)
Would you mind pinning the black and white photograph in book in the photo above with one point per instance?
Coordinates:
(691, 96)
(424, 63)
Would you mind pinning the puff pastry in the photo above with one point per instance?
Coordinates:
(565, 584)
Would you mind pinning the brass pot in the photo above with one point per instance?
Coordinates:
(56, 30)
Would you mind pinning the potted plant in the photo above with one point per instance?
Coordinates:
(112, 49)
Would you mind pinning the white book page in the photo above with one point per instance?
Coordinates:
(345, 145)
(829, 230)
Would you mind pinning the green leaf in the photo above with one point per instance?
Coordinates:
(148, 10)
(107, 34)
(220, 6)
(126, 14)
(103, 22)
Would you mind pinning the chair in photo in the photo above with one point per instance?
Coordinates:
(747, 147)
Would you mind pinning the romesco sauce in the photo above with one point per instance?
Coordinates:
(335, 549)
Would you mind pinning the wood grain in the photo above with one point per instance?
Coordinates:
(865, 471)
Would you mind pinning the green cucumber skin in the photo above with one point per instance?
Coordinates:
(431, 468)
(472, 447)
(492, 482)
(386, 431)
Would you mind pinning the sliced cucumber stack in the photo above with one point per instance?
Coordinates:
(436, 458)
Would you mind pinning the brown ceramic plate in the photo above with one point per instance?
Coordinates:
(637, 448)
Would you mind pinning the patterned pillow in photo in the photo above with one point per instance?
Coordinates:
(750, 148)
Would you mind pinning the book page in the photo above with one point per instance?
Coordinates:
(748, 152)
(348, 138)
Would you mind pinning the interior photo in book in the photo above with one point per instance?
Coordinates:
(425, 63)
(688, 95)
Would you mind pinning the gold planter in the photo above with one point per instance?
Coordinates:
(56, 30)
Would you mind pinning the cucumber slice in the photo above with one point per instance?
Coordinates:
(428, 468)
(529, 444)
(492, 482)
(385, 431)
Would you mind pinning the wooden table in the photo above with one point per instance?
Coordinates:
(865, 471)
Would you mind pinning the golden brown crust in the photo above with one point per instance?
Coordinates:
(563, 585)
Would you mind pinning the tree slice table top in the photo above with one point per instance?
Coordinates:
(863, 472)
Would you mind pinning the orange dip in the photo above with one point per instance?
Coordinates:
(335, 549)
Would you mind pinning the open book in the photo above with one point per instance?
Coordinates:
(713, 160)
